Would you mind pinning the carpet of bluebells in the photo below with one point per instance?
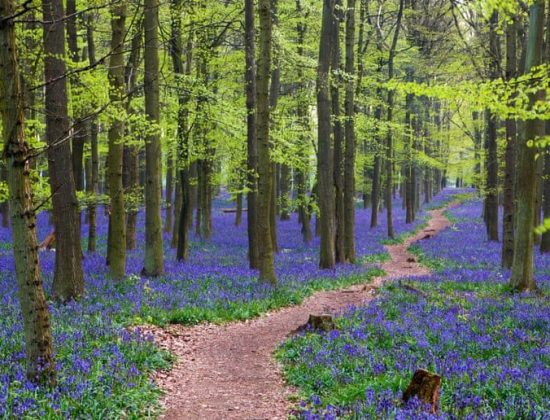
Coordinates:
(492, 348)
(104, 370)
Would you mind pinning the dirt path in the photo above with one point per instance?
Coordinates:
(228, 372)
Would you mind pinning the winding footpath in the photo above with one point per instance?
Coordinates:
(228, 372)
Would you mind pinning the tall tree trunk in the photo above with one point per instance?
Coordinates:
(336, 67)
(376, 182)
(68, 280)
(389, 138)
(523, 265)
(409, 147)
(184, 207)
(252, 144)
(304, 213)
(491, 190)
(80, 134)
(17, 156)
(325, 158)
(273, 100)
(510, 154)
(154, 252)
(349, 165)
(545, 239)
(116, 245)
(91, 188)
(265, 166)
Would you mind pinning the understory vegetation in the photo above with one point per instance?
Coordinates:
(103, 370)
(490, 346)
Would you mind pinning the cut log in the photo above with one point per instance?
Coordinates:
(425, 386)
(48, 242)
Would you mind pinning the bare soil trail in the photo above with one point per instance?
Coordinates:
(228, 372)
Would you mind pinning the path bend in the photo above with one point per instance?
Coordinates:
(228, 372)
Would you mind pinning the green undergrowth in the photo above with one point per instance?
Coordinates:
(455, 329)
(222, 312)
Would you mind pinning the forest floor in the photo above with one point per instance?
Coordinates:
(228, 371)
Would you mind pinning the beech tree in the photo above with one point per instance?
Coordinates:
(523, 264)
(154, 252)
(68, 278)
(17, 157)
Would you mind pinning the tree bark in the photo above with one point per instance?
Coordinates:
(116, 244)
(17, 156)
(68, 280)
(265, 166)
(349, 165)
(252, 144)
(491, 186)
(91, 188)
(389, 138)
(510, 154)
(522, 278)
(154, 252)
(325, 162)
(338, 134)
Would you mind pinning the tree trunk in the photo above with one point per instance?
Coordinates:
(349, 165)
(169, 193)
(510, 154)
(304, 202)
(80, 134)
(336, 67)
(389, 138)
(68, 280)
(116, 245)
(154, 252)
(185, 212)
(491, 190)
(325, 162)
(265, 166)
(522, 278)
(17, 156)
(376, 182)
(252, 144)
(91, 188)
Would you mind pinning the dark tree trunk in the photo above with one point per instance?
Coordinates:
(325, 162)
(154, 252)
(17, 156)
(510, 154)
(265, 166)
(338, 133)
(491, 186)
(80, 135)
(349, 165)
(522, 278)
(68, 277)
(183, 204)
(169, 193)
(389, 138)
(252, 145)
(116, 244)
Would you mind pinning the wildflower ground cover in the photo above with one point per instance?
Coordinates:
(103, 369)
(491, 347)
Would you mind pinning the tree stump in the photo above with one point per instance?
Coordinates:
(323, 322)
(425, 386)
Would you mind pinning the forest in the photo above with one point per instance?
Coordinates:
(270, 209)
